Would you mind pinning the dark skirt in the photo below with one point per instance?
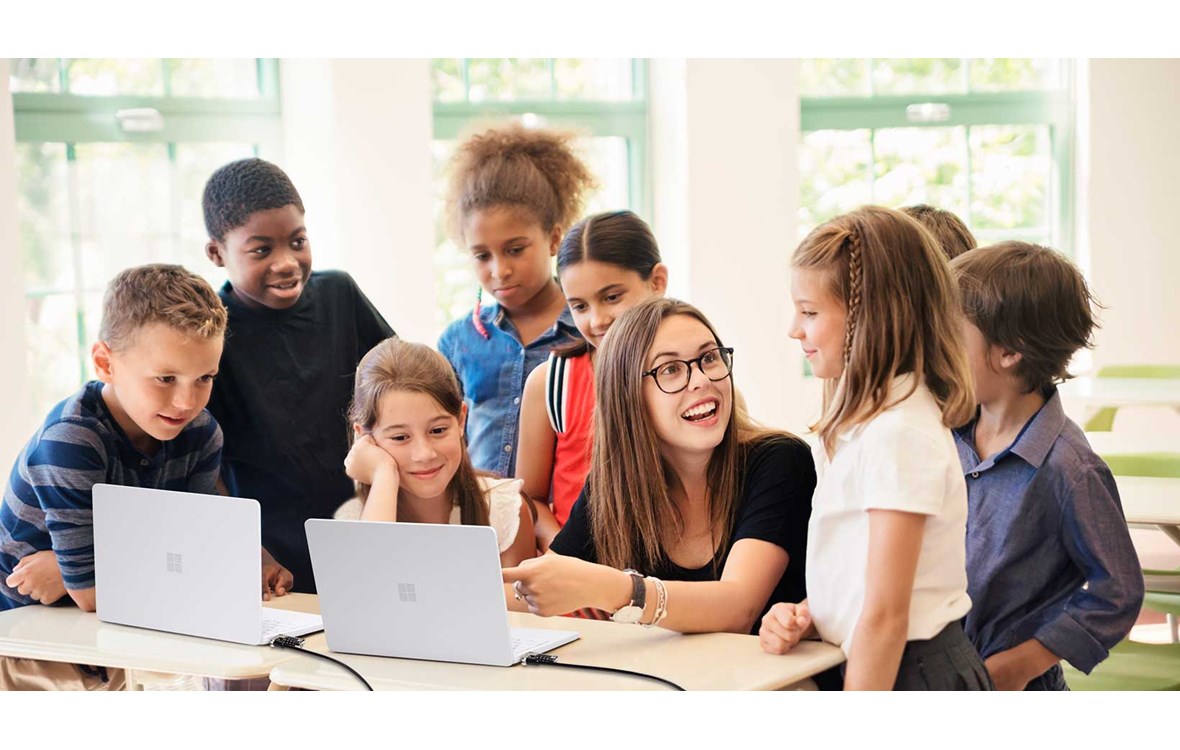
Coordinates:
(947, 661)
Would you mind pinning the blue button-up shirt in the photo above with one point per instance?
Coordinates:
(492, 373)
(1048, 552)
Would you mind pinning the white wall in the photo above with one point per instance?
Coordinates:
(14, 406)
(726, 136)
(357, 146)
(1130, 152)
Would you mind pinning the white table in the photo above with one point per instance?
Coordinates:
(1151, 501)
(1088, 395)
(713, 661)
(67, 634)
(1127, 443)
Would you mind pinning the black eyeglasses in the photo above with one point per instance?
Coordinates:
(674, 375)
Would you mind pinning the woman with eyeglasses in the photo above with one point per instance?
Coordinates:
(693, 517)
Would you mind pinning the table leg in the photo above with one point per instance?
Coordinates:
(1172, 531)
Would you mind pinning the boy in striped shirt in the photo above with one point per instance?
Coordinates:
(143, 423)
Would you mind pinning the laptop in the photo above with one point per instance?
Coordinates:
(418, 591)
(185, 563)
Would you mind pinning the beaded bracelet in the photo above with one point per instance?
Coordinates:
(661, 602)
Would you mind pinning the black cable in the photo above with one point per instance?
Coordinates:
(296, 644)
(550, 660)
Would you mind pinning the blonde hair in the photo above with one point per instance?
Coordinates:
(632, 515)
(160, 293)
(513, 166)
(902, 317)
(396, 365)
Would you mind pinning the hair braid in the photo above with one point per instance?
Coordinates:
(854, 288)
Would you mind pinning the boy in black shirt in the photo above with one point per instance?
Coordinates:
(294, 340)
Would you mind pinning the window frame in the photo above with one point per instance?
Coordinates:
(1052, 107)
(71, 119)
(627, 119)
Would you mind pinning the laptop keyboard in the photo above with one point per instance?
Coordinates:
(286, 622)
(525, 641)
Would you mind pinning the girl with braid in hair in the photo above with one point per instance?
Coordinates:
(875, 312)
(513, 192)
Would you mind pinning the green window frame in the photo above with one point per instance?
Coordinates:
(72, 119)
(625, 119)
(1051, 107)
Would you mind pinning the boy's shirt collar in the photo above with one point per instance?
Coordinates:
(1033, 443)
(239, 308)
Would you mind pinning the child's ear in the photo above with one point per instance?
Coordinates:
(215, 251)
(659, 278)
(357, 430)
(463, 418)
(1009, 359)
(100, 356)
(555, 239)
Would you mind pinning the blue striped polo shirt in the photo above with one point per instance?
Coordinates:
(47, 501)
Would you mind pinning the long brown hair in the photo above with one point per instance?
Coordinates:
(396, 365)
(903, 310)
(632, 515)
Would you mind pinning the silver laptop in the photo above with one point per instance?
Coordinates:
(418, 591)
(185, 563)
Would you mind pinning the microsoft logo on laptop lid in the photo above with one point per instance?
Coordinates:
(175, 562)
(406, 592)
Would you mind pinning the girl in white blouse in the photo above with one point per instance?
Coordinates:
(409, 457)
(876, 314)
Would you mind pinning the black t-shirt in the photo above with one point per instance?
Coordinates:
(775, 507)
(281, 397)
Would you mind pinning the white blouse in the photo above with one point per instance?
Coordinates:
(503, 497)
(904, 459)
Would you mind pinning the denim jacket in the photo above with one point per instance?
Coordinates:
(492, 372)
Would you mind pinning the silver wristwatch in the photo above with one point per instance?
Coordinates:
(633, 611)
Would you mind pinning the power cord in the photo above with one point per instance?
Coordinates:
(550, 660)
(296, 644)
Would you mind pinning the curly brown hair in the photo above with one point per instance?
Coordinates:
(511, 165)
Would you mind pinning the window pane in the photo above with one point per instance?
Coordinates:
(43, 211)
(1014, 74)
(921, 165)
(123, 207)
(935, 75)
(508, 78)
(109, 77)
(448, 79)
(593, 78)
(834, 76)
(236, 79)
(54, 353)
(34, 74)
(834, 175)
(1010, 168)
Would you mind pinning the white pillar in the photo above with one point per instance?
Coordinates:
(357, 146)
(1128, 217)
(726, 136)
(17, 423)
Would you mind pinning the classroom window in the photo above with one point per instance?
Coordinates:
(112, 156)
(604, 100)
(990, 139)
